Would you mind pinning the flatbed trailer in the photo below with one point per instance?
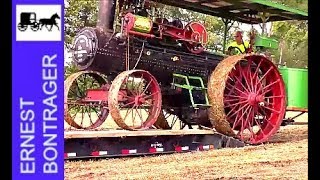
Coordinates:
(119, 143)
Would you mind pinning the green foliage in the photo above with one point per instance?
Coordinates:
(78, 14)
(293, 36)
(298, 4)
(70, 69)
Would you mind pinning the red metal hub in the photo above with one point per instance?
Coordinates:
(139, 100)
(254, 99)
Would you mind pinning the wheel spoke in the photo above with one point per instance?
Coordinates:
(98, 114)
(141, 119)
(265, 74)
(74, 116)
(148, 96)
(145, 89)
(244, 77)
(82, 116)
(250, 126)
(128, 111)
(235, 87)
(240, 118)
(141, 78)
(251, 78)
(235, 112)
(271, 109)
(132, 102)
(241, 102)
(271, 84)
(230, 100)
(233, 96)
(89, 114)
(241, 84)
(280, 96)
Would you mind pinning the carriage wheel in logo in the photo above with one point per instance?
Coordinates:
(35, 26)
(22, 27)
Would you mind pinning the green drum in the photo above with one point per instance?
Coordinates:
(296, 81)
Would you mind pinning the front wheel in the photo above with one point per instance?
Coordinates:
(135, 100)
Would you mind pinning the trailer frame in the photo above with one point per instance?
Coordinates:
(120, 143)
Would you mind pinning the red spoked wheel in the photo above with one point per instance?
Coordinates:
(85, 100)
(248, 98)
(135, 100)
(196, 37)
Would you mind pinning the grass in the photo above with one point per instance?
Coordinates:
(285, 156)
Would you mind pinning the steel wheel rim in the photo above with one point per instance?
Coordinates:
(95, 112)
(143, 105)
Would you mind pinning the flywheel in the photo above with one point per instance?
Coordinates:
(248, 99)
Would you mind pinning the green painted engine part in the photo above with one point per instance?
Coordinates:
(266, 42)
(186, 84)
(296, 81)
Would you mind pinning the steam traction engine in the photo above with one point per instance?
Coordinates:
(151, 68)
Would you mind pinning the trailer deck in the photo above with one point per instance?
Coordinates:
(118, 143)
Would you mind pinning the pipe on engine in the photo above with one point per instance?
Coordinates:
(106, 14)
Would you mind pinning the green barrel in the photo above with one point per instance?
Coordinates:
(296, 81)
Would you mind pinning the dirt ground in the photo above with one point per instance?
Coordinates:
(285, 156)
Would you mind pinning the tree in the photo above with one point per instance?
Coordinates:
(79, 14)
(294, 36)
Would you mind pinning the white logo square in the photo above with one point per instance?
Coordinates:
(38, 23)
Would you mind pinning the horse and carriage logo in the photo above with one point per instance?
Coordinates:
(29, 19)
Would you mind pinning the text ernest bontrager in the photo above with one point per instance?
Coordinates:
(28, 123)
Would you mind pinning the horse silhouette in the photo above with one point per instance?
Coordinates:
(51, 21)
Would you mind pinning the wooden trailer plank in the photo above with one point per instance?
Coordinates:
(297, 109)
(125, 133)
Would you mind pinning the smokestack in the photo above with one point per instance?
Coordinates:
(106, 14)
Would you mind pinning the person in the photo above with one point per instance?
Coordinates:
(238, 46)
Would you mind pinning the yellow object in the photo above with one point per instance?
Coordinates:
(142, 24)
(239, 47)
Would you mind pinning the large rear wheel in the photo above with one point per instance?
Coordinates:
(247, 94)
